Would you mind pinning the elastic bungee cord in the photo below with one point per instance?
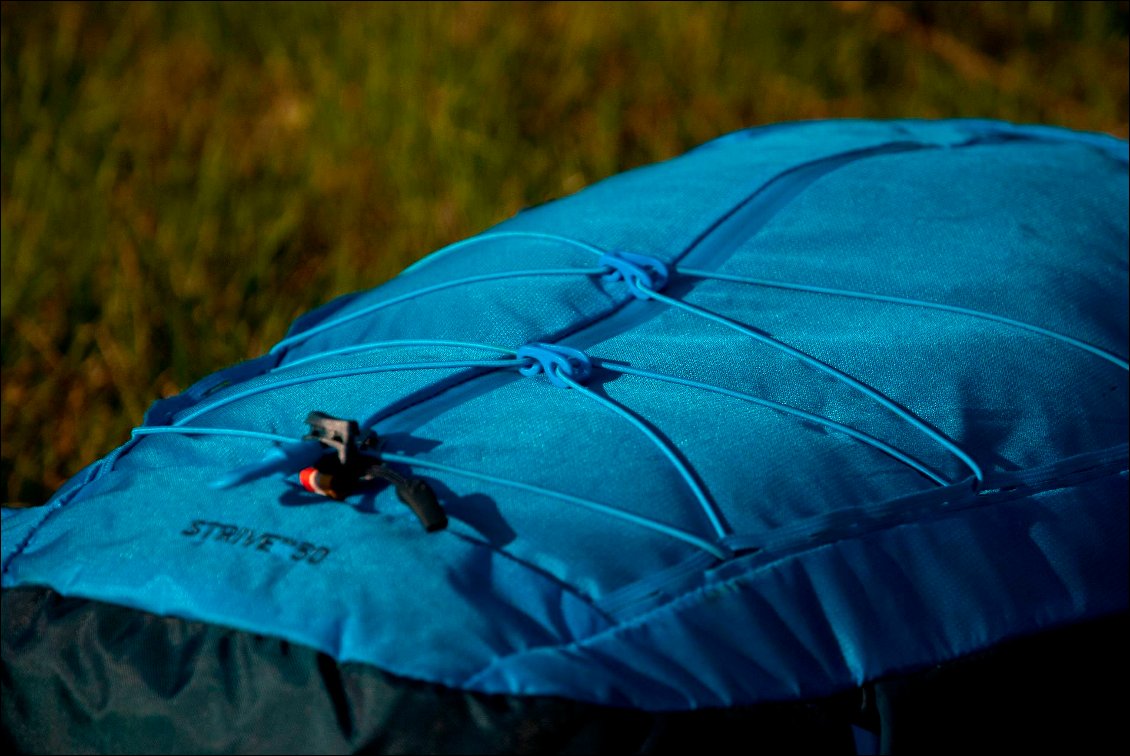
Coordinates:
(626, 266)
(644, 277)
(717, 550)
(481, 238)
(535, 367)
(567, 368)
(501, 276)
(196, 430)
(373, 346)
(564, 367)
(836, 373)
(704, 502)
(629, 370)
(786, 409)
(347, 373)
(772, 284)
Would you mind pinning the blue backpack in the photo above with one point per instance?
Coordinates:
(750, 441)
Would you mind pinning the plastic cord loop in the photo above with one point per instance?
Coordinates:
(555, 360)
(641, 273)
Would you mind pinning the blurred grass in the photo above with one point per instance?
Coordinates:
(180, 180)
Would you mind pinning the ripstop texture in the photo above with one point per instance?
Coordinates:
(809, 405)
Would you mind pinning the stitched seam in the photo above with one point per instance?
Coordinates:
(34, 530)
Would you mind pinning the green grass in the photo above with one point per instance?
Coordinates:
(179, 181)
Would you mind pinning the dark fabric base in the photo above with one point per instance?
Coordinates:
(81, 676)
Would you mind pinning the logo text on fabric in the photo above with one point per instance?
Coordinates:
(259, 541)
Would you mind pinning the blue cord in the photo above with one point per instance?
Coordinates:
(502, 235)
(699, 494)
(566, 367)
(911, 302)
(375, 345)
(266, 387)
(335, 322)
(157, 430)
(712, 548)
(784, 408)
(623, 266)
(835, 373)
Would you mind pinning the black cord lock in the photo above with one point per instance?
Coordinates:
(356, 461)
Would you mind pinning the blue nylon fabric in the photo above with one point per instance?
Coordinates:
(837, 563)
(833, 611)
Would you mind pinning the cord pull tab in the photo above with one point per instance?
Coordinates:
(421, 499)
(416, 493)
